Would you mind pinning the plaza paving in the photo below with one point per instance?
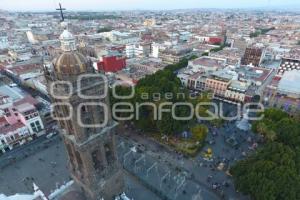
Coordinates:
(202, 172)
(47, 167)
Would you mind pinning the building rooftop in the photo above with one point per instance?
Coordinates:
(238, 85)
(196, 75)
(290, 82)
(3, 121)
(254, 73)
(14, 93)
(209, 62)
(12, 127)
(288, 64)
(27, 99)
(225, 74)
(275, 81)
(24, 107)
(23, 69)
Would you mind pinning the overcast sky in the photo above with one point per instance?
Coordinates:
(41, 5)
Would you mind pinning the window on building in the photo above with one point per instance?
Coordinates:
(71, 129)
(88, 121)
(39, 128)
(96, 157)
(83, 109)
(87, 131)
(32, 125)
(78, 159)
(71, 155)
(108, 153)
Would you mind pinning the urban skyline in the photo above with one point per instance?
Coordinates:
(180, 104)
(93, 5)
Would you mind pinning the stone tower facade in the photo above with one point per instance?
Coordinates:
(81, 105)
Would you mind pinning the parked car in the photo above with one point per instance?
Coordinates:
(50, 135)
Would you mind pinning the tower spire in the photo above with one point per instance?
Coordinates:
(61, 12)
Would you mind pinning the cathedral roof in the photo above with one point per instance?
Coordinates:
(70, 63)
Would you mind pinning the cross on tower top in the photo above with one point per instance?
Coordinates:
(61, 12)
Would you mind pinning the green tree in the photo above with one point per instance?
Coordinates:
(165, 125)
(104, 29)
(162, 82)
(273, 172)
(205, 54)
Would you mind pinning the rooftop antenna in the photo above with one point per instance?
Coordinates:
(61, 12)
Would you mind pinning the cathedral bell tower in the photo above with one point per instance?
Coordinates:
(81, 106)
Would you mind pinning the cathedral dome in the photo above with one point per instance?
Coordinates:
(67, 41)
(70, 63)
(66, 35)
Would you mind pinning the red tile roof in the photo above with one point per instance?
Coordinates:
(27, 99)
(265, 73)
(23, 69)
(6, 129)
(3, 121)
